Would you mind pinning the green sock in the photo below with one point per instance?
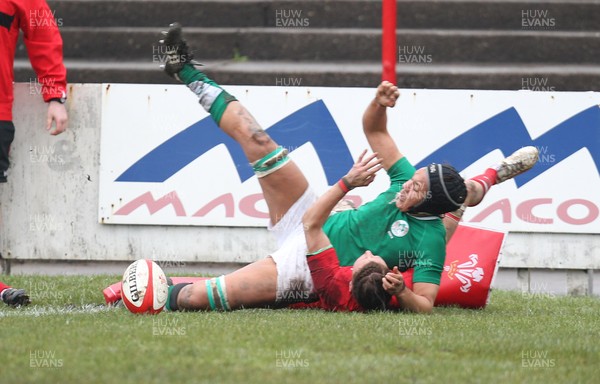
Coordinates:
(220, 105)
(189, 74)
(213, 98)
(168, 304)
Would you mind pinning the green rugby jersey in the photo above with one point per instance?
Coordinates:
(400, 239)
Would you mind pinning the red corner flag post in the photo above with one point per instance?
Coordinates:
(388, 41)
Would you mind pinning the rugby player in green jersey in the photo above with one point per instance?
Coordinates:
(404, 225)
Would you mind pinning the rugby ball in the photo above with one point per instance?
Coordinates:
(144, 287)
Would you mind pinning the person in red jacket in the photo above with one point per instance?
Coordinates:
(44, 47)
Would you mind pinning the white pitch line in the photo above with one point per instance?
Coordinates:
(36, 311)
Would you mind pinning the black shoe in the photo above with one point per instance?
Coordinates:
(177, 51)
(15, 297)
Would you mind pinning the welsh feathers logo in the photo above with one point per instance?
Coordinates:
(466, 272)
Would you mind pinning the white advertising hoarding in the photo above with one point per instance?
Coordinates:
(165, 162)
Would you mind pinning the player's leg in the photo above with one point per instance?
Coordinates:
(520, 161)
(451, 220)
(282, 277)
(3, 287)
(280, 179)
(7, 134)
(255, 285)
(281, 188)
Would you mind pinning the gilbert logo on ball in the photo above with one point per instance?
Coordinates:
(144, 287)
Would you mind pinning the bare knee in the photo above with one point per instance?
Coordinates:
(261, 138)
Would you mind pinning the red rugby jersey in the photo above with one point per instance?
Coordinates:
(44, 46)
(332, 283)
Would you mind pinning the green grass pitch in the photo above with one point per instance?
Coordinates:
(68, 336)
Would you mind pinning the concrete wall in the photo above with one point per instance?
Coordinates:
(49, 207)
(49, 211)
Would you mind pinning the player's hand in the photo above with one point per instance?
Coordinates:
(57, 113)
(387, 94)
(393, 283)
(364, 170)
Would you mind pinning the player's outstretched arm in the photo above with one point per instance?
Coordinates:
(362, 174)
(375, 124)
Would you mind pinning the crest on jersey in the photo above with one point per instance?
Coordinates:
(399, 228)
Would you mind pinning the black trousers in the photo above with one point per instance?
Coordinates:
(7, 134)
